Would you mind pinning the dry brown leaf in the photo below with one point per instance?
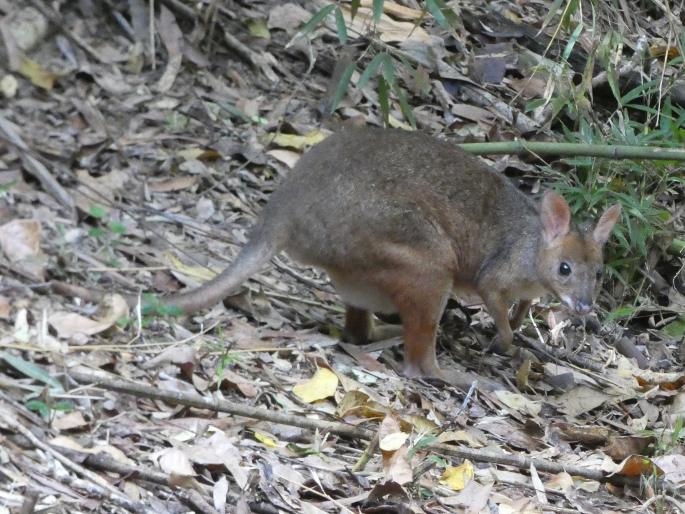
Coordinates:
(219, 450)
(173, 460)
(69, 421)
(288, 17)
(635, 466)
(168, 185)
(390, 30)
(396, 10)
(70, 324)
(473, 498)
(96, 191)
(396, 467)
(287, 157)
(4, 307)
(20, 239)
(72, 444)
(518, 402)
(620, 447)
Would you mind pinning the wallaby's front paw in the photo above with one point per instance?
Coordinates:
(500, 345)
(424, 371)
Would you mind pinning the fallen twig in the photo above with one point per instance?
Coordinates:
(195, 400)
(560, 354)
(215, 404)
(190, 497)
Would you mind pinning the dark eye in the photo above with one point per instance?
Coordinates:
(564, 269)
(599, 274)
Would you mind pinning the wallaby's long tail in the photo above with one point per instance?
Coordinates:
(251, 259)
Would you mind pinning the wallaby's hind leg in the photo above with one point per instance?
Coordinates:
(360, 328)
(420, 303)
(358, 325)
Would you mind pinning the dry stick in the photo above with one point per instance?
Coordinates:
(521, 147)
(195, 400)
(107, 489)
(191, 497)
(201, 402)
(560, 354)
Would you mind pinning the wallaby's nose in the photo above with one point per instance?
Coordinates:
(583, 307)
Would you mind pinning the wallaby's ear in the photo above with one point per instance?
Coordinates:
(556, 216)
(606, 223)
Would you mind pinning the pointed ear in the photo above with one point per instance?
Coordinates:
(606, 223)
(556, 216)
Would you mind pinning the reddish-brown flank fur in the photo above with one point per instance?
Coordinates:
(399, 220)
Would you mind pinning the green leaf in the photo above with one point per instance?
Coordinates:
(613, 83)
(314, 22)
(38, 406)
(640, 90)
(377, 11)
(31, 370)
(96, 232)
(383, 99)
(621, 312)
(117, 228)
(534, 104)
(675, 329)
(405, 107)
(572, 41)
(7, 186)
(389, 71)
(437, 14)
(354, 7)
(97, 211)
(63, 406)
(370, 70)
(551, 13)
(342, 86)
(258, 28)
(342, 28)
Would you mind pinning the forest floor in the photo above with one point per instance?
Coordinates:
(135, 153)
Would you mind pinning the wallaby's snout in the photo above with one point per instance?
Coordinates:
(582, 306)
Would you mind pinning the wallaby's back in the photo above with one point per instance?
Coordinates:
(363, 187)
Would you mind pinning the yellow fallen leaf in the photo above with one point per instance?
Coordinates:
(199, 273)
(519, 402)
(322, 385)
(299, 142)
(38, 75)
(266, 440)
(199, 154)
(457, 477)
(395, 123)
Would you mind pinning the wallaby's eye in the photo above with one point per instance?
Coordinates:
(564, 269)
(599, 274)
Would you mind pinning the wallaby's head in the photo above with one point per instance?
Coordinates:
(570, 259)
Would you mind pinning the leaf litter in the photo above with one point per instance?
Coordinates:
(128, 167)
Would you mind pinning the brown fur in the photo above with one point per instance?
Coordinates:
(400, 219)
